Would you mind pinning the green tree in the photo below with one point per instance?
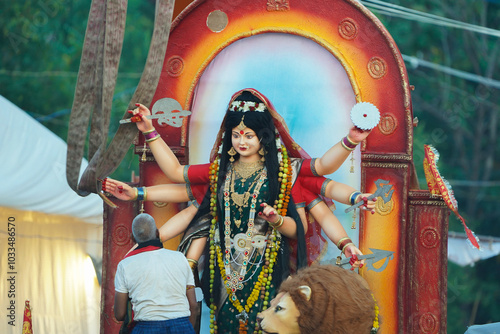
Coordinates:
(459, 117)
(41, 45)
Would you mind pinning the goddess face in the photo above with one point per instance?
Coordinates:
(246, 143)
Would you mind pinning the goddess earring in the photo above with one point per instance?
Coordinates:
(232, 152)
(262, 153)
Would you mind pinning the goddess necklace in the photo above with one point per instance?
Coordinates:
(233, 278)
(216, 254)
(240, 200)
(246, 169)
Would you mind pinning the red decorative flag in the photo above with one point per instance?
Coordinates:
(27, 327)
(439, 186)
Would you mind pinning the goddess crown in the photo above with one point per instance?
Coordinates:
(244, 106)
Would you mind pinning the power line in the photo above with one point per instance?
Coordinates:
(50, 117)
(483, 238)
(45, 118)
(67, 74)
(470, 183)
(451, 71)
(415, 15)
(380, 6)
(411, 14)
(40, 74)
(467, 183)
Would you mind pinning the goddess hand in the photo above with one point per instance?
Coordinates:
(358, 135)
(353, 252)
(118, 189)
(369, 203)
(143, 124)
(269, 213)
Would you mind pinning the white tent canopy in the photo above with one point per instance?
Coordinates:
(33, 169)
(461, 252)
(49, 235)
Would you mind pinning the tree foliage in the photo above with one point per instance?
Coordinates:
(459, 117)
(41, 43)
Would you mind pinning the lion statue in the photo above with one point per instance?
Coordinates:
(320, 299)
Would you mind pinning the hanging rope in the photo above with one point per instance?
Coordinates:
(86, 92)
(95, 88)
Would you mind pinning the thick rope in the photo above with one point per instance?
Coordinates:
(104, 161)
(84, 101)
(145, 90)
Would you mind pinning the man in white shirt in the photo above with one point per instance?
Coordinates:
(159, 283)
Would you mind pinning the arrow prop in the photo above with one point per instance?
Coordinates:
(383, 190)
(166, 111)
(370, 259)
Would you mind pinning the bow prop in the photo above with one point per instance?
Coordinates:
(439, 186)
(167, 111)
(383, 190)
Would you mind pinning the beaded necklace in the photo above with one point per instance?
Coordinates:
(272, 246)
(240, 200)
(263, 282)
(233, 279)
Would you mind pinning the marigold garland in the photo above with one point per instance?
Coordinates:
(375, 325)
(285, 177)
(214, 169)
(265, 277)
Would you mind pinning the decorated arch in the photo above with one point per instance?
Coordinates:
(314, 60)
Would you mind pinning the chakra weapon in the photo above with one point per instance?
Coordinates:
(166, 111)
(383, 190)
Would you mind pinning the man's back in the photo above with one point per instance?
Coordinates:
(156, 282)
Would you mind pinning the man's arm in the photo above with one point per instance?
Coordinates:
(193, 305)
(120, 305)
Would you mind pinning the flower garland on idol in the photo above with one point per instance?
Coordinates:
(233, 280)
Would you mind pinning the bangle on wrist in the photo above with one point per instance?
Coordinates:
(353, 196)
(340, 241)
(278, 223)
(343, 242)
(136, 193)
(348, 144)
(141, 193)
(353, 143)
(345, 246)
(152, 139)
(151, 135)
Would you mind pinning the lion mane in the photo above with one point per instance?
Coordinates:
(340, 302)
